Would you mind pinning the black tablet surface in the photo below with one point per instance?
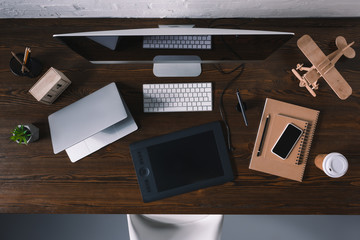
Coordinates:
(182, 161)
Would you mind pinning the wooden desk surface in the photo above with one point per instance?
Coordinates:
(34, 180)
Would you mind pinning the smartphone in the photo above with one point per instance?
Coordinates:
(287, 141)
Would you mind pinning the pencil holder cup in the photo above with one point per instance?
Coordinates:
(33, 65)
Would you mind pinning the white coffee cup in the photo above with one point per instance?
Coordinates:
(334, 164)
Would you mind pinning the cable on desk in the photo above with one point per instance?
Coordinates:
(218, 67)
(221, 104)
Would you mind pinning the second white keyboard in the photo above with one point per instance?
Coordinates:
(177, 42)
(177, 97)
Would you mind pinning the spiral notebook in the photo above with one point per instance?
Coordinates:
(282, 113)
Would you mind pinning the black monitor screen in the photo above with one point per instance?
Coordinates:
(185, 161)
(130, 48)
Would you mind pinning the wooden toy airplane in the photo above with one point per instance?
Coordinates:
(324, 66)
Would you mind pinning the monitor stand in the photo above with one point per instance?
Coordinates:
(177, 66)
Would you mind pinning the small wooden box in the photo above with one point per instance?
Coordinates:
(50, 86)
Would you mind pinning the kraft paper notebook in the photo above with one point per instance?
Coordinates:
(282, 113)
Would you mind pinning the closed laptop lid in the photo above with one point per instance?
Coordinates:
(86, 117)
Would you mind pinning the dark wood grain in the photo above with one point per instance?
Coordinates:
(34, 180)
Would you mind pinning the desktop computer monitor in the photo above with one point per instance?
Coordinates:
(175, 58)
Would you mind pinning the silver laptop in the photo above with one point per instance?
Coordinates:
(91, 123)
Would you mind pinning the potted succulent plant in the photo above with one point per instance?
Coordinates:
(24, 134)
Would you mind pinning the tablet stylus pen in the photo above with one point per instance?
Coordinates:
(263, 135)
(241, 106)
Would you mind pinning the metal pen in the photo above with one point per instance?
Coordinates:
(242, 108)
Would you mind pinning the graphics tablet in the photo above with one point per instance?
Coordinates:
(181, 162)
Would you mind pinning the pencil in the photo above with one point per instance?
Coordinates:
(17, 59)
(26, 56)
(263, 135)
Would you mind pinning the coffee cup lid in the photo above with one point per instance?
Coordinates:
(335, 165)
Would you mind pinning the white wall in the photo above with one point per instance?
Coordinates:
(178, 8)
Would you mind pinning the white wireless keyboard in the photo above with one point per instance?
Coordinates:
(177, 97)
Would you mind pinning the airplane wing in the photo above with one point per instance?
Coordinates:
(311, 50)
(338, 84)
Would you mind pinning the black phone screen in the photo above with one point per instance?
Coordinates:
(287, 140)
